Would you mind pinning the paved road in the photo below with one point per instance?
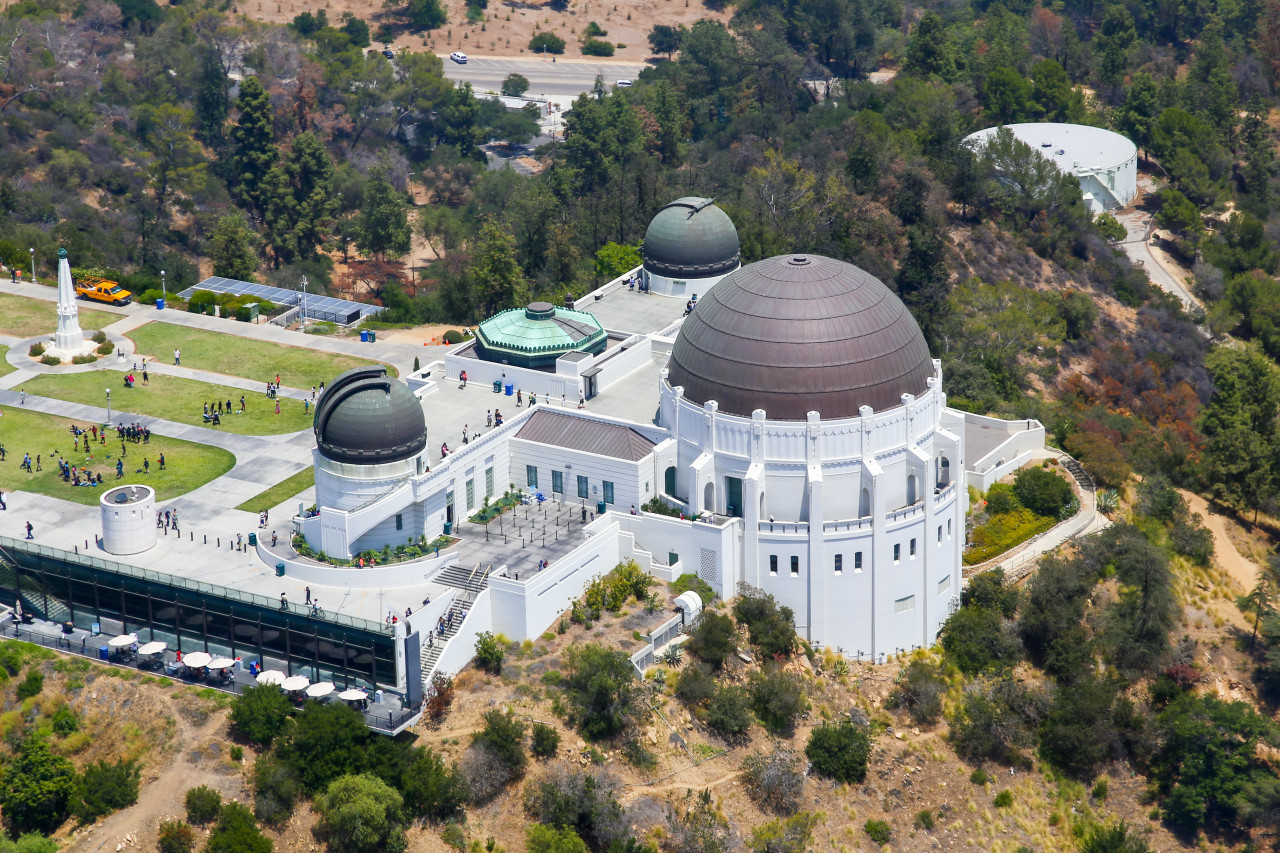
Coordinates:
(563, 78)
(1135, 244)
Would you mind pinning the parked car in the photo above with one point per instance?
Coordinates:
(622, 84)
(389, 53)
(458, 57)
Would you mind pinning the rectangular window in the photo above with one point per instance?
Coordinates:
(948, 528)
(944, 585)
(857, 561)
(773, 564)
(399, 521)
(939, 534)
(913, 547)
(582, 487)
(557, 482)
(897, 553)
(607, 488)
(471, 494)
(902, 605)
(488, 482)
(531, 474)
(795, 567)
(839, 564)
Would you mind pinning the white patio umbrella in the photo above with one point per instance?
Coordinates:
(295, 682)
(353, 695)
(322, 688)
(122, 641)
(155, 647)
(221, 663)
(271, 676)
(195, 660)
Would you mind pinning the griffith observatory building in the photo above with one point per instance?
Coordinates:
(802, 429)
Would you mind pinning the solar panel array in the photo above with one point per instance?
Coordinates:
(341, 311)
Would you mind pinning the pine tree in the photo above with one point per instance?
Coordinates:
(253, 146)
(499, 281)
(382, 229)
(212, 99)
(234, 248)
(298, 200)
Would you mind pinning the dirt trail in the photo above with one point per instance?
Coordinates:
(1243, 571)
(162, 795)
(681, 786)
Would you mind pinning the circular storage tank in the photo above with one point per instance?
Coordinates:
(128, 519)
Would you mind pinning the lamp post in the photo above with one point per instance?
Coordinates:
(304, 303)
(164, 294)
(33, 265)
(108, 405)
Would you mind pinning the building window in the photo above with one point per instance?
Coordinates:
(897, 553)
(857, 561)
(557, 482)
(608, 491)
(948, 528)
(399, 521)
(795, 567)
(902, 605)
(471, 494)
(582, 486)
(488, 482)
(531, 474)
(913, 547)
(773, 564)
(839, 564)
(939, 534)
(944, 585)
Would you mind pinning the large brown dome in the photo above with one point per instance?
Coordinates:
(800, 333)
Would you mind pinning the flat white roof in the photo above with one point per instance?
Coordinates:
(1075, 148)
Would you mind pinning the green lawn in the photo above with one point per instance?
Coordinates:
(26, 317)
(187, 465)
(281, 491)
(5, 367)
(173, 399)
(236, 356)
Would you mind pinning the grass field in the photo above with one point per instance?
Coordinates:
(26, 317)
(246, 357)
(5, 367)
(173, 399)
(187, 465)
(281, 491)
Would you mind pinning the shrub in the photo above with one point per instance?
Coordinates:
(489, 653)
(99, 337)
(37, 788)
(503, 735)
(1100, 790)
(596, 47)
(1113, 839)
(325, 742)
(454, 835)
(1001, 499)
(1042, 491)
(86, 358)
(688, 581)
(777, 697)
(789, 835)
(772, 629)
(548, 839)
(996, 720)
(979, 777)
(839, 751)
(105, 348)
(432, 789)
(878, 831)
(202, 302)
(545, 741)
(361, 814)
(236, 752)
(151, 296)
(236, 833)
(176, 837)
(275, 790)
(105, 787)
(978, 639)
(920, 691)
(924, 820)
(579, 800)
(774, 780)
(1002, 532)
(593, 29)
(713, 638)
(729, 712)
(439, 696)
(1004, 799)
(658, 506)
(204, 804)
(51, 360)
(261, 714)
(64, 721)
(546, 42)
(36, 350)
(599, 686)
(696, 684)
(31, 685)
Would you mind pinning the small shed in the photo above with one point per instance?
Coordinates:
(690, 605)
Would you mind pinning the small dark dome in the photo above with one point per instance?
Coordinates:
(368, 418)
(795, 334)
(691, 238)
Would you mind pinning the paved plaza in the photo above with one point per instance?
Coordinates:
(205, 549)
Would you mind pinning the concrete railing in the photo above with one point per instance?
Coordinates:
(601, 292)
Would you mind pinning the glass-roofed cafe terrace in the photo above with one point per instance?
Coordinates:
(536, 336)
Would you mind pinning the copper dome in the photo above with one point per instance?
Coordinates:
(800, 333)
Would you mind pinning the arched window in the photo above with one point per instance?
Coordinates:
(864, 504)
(709, 498)
(669, 486)
(944, 472)
(911, 489)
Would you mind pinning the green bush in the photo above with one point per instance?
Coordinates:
(878, 831)
(105, 348)
(51, 360)
(596, 47)
(979, 777)
(1002, 500)
(545, 741)
(978, 639)
(176, 837)
(99, 337)
(37, 788)
(691, 582)
(696, 684)
(503, 735)
(772, 629)
(275, 790)
(106, 787)
(658, 506)
(261, 713)
(599, 685)
(1002, 532)
(777, 698)
(1042, 491)
(920, 691)
(237, 833)
(1004, 799)
(546, 42)
(65, 721)
(151, 296)
(202, 302)
(204, 804)
(924, 820)
(31, 685)
(774, 780)
(839, 751)
(432, 789)
(36, 350)
(489, 653)
(713, 638)
(729, 711)
(593, 30)
(86, 359)
(360, 813)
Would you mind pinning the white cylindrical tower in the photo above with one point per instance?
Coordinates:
(128, 519)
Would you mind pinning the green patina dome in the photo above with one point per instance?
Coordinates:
(366, 417)
(691, 238)
(536, 336)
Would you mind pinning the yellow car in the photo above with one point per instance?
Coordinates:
(103, 290)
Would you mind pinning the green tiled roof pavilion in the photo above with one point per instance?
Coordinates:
(537, 335)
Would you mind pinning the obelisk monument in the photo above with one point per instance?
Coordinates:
(68, 338)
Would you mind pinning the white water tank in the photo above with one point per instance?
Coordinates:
(128, 519)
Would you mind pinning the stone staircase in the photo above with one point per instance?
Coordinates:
(1076, 470)
(471, 582)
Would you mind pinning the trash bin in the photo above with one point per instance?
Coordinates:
(511, 389)
(159, 304)
(253, 540)
(448, 528)
(364, 336)
(279, 570)
(599, 507)
(104, 653)
(497, 386)
(373, 336)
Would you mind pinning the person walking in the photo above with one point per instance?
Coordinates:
(242, 404)
(177, 356)
(277, 406)
(308, 592)
(146, 466)
(3, 505)
(284, 602)
(119, 468)
(161, 461)
(22, 400)
(145, 378)
(40, 468)
(519, 398)
(29, 530)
